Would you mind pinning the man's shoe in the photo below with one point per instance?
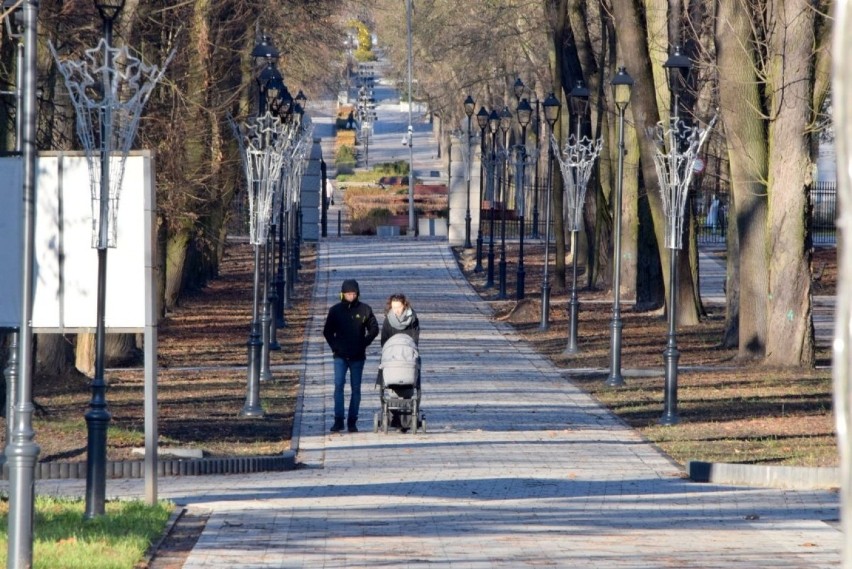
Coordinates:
(351, 425)
(338, 425)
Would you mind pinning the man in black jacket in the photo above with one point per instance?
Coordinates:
(349, 328)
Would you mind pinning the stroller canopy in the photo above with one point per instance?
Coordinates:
(400, 361)
(400, 349)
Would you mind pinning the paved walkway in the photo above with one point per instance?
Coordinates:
(518, 467)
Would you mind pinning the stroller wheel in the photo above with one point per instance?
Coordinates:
(376, 422)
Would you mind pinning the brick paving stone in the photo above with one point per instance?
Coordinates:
(518, 468)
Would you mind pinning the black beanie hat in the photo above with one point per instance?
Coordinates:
(350, 285)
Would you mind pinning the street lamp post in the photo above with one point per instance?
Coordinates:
(579, 98)
(280, 283)
(576, 162)
(536, 104)
(482, 122)
(469, 105)
(493, 125)
(274, 98)
(676, 149)
(674, 167)
(519, 88)
(279, 102)
(107, 117)
(524, 112)
(21, 449)
(622, 84)
(551, 115)
(505, 126)
(98, 416)
(281, 106)
(269, 82)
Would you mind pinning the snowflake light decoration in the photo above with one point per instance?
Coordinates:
(108, 88)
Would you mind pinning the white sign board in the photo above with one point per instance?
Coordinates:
(65, 263)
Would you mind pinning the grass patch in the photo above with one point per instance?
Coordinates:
(377, 172)
(63, 539)
(359, 177)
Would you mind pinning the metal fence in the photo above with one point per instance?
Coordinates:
(513, 226)
(709, 210)
(711, 221)
(823, 214)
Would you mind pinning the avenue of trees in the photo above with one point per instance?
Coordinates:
(198, 172)
(761, 65)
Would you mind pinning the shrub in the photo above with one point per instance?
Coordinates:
(344, 167)
(396, 168)
(367, 224)
(364, 55)
(345, 160)
(345, 153)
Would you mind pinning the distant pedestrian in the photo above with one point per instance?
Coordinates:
(712, 220)
(349, 328)
(350, 121)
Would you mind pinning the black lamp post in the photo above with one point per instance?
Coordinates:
(98, 416)
(551, 115)
(536, 105)
(518, 89)
(299, 112)
(493, 125)
(678, 68)
(284, 105)
(505, 126)
(469, 105)
(524, 112)
(265, 50)
(258, 341)
(579, 99)
(285, 273)
(276, 92)
(622, 84)
(482, 121)
(276, 99)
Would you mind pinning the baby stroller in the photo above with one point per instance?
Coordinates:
(399, 382)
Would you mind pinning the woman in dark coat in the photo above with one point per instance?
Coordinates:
(400, 318)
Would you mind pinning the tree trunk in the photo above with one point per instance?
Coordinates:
(53, 356)
(633, 44)
(557, 199)
(791, 341)
(630, 210)
(731, 335)
(743, 123)
(120, 349)
(176, 247)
